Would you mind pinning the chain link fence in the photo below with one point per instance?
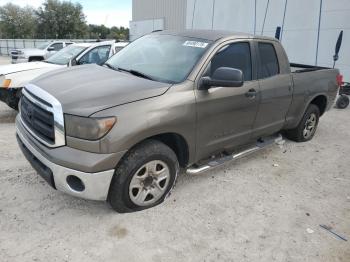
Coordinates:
(6, 45)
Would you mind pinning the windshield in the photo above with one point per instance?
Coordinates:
(42, 46)
(63, 56)
(164, 58)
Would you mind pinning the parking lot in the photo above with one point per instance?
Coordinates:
(265, 207)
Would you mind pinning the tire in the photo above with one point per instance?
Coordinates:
(35, 59)
(135, 185)
(13, 105)
(342, 102)
(12, 101)
(306, 129)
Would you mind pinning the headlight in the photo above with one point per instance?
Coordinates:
(88, 128)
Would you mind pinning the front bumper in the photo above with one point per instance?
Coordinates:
(95, 185)
(19, 60)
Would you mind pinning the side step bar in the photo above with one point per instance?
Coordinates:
(220, 161)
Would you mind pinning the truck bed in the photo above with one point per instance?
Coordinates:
(301, 68)
(308, 82)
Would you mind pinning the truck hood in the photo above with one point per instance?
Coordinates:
(15, 68)
(87, 89)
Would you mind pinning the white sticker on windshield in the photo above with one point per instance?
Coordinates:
(195, 44)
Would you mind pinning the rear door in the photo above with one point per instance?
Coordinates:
(276, 88)
(225, 115)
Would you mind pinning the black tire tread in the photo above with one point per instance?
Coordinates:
(296, 134)
(133, 159)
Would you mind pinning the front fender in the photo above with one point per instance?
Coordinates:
(173, 112)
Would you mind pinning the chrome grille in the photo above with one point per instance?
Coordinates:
(42, 116)
(38, 120)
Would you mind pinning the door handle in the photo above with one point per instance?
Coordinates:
(251, 93)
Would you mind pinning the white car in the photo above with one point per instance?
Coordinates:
(14, 77)
(42, 52)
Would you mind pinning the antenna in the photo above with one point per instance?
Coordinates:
(337, 48)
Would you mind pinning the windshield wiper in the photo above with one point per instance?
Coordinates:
(135, 72)
(110, 66)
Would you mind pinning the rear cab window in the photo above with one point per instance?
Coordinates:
(268, 65)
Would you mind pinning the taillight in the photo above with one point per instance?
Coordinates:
(339, 80)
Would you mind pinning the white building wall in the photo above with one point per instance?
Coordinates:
(300, 27)
(139, 28)
(150, 15)
(335, 17)
(299, 19)
(300, 30)
(232, 14)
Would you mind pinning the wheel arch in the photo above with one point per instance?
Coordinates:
(175, 142)
(321, 102)
(35, 58)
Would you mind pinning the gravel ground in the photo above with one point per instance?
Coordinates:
(265, 207)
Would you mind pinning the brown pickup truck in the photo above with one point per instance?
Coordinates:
(191, 100)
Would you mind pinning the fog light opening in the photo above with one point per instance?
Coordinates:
(75, 183)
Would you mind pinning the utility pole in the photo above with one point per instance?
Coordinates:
(318, 31)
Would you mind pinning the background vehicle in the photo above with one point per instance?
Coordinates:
(343, 99)
(119, 46)
(195, 100)
(42, 52)
(14, 77)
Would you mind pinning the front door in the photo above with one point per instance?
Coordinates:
(225, 115)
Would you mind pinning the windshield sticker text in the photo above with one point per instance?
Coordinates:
(195, 44)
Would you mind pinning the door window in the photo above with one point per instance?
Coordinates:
(236, 56)
(268, 61)
(98, 55)
(57, 46)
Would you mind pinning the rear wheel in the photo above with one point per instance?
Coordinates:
(144, 177)
(342, 102)
(306, 129)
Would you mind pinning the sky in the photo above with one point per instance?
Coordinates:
(107, 12)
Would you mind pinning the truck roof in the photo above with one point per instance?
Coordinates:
(213, 35)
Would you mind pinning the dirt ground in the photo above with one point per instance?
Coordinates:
(265, 207)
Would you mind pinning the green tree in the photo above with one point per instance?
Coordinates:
(54, 19)
(61, 19)
(17, 22)
(119, 33)
(98, 31)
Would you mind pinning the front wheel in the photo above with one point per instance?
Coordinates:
(306, 129)
(144, 177)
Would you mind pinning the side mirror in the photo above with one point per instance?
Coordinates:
(50, 48)
(223, 77)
